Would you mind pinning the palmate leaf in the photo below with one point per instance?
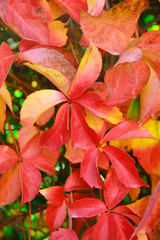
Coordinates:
(87, 73)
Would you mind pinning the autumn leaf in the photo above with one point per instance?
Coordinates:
(6, 59)
(109, 31)
(28, 21)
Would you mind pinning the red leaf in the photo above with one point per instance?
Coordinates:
(8, 158)
(149, 209)
(30, 179)
(124, 166)
(62, 233)
(88, 234)
(82, 135)
(55, 195)
(6, 59)
(104, 228)
(124, 228)
(55, 216)
(125, 211)
(115, 191)
(75, 182)
(10, 188)
(89, 168)
(25, 135)
(125, 81)
(127, 130)
(59, 133)
(41, 162)
(74, 155)
(86, 207)
(72, 7)
(87, 73)
(93, 103)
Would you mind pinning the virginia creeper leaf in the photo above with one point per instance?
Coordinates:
(87, 207)
(6, 59)
(125, 81)
(75, 182)
(56, 64)
(87, 73)
(127, 130)
(8, 158)
(109, 31)
(72, 7)
(81, 134)
(30, 179)
(59, 133)
(93, 103)
(148, 213)
(124, 166)
(114, 191)
(28, 21)
(10, 188)
(37, 103)
(62, 233)
(104, 228)
(89, 168)
(55, 216)
(55, 195)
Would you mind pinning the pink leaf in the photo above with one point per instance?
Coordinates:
(86, 207)
(124, 228)
(124, 166)
(10, 188)
(72, 7)
(109, 31)
(55, 216)
(88, 234)
(127, 130)
(28, 21)
(89, 168)
(59, 133)
(8, 158)
(55, 195)
(87, 73)
(41, 162)
(37, 103)
(57, 64)
(30, 179)
(82, 135)
(104, 228)
(115, 191)
(93, 103)
(125, 81)
(6, 59)
(75, 182)
(62, 233)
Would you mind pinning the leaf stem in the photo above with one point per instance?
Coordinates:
(14, 140)
(29, 230)
(71, 196)
(22, 224)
